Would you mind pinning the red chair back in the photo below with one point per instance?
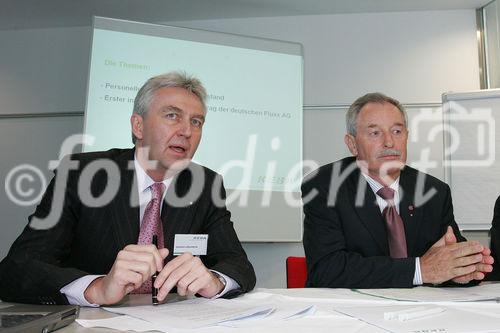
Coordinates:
(296, 272)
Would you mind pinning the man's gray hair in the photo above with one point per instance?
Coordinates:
(145, 95)
(351, 116)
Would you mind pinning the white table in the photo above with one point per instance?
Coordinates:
(324, 320)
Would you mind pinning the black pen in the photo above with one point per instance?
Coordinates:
(154, 291)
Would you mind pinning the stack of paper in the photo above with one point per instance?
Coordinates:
(200, 313)
(194, 313)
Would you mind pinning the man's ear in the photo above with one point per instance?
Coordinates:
(136, 122)
(350, 142)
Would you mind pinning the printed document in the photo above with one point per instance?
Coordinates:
(193, 313)
(452, 320)
(483, 292)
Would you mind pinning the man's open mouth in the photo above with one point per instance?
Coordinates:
(178, 149)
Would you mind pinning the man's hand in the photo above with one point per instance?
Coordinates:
(133, 265)
(485, 266)
(189, 275)
(482, 268)
(460, 262)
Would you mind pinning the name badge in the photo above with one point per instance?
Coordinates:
(196, 244)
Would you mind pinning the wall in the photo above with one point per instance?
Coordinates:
(413, 56)
(42, 71)
(492, 27)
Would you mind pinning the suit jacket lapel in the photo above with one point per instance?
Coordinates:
(369, 211)
(126, 205)
(409, 213)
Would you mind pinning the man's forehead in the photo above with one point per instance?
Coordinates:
(374, 113)
(178, 98)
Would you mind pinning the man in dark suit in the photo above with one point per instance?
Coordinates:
(373, 222)
(81, 245)
(495, 241)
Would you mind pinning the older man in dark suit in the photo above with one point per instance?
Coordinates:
(373, 222)
(89, 251)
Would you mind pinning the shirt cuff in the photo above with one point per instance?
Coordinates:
(417, 278)
(230, 284)
(75, 290)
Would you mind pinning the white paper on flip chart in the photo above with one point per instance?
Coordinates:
(432, 294)
(193, 313)
(453, 320)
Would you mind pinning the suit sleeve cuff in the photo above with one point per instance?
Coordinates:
(229, 284)
(417, 278)
(75, 290)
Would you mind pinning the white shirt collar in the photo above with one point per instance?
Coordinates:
(375, 185)
(143, 179)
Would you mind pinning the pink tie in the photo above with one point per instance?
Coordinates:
(395, 226)
(151, 225)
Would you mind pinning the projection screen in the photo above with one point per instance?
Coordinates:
(253, 130)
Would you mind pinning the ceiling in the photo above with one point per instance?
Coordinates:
(24, 14)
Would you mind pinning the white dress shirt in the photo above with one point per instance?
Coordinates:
(375, 186)
(75, 290)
